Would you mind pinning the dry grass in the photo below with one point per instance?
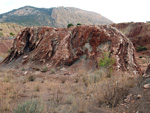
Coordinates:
(113, 90)
(72, 94)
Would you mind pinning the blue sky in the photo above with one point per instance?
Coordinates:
(115, 10)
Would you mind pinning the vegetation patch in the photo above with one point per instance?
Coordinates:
(30, 106)
(69, 25)
(31, 78)
(44, 69)
(141, 48)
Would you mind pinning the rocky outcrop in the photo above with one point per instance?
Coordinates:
(62, 46)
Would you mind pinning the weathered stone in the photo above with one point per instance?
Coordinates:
(67, 46)
(26, 56)
(147, 86)
(139, 96)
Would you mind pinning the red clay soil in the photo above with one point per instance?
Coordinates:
(67, 46)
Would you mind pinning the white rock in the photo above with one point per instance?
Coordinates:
(147, 86)
(26, 72)
(26, 56)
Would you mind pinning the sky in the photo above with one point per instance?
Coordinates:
(115, 10)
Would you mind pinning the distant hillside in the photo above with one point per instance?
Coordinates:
(7, 28)
(55, 17)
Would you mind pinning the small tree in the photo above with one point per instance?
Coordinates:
(69, 25)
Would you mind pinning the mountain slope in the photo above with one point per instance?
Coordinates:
(55, 17)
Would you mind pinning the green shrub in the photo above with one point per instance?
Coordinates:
(140, 57)
(106, 61)
(78, 24)
(141, 48)
(12, 34)
(30, 106)
(69, 25)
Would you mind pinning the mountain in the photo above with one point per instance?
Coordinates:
(7, 28)
(54, 17)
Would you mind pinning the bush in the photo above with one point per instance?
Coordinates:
(44, 69)
(30, 106)
(106, 61)
(78, 24)
(141, 48)
(112, 94)
(140, 57)
(114, 90)
(69, 25)
(12, 34)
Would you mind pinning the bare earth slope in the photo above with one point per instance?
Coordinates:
(62, 46)
(54, 17)
(5, 45)
(7, 28)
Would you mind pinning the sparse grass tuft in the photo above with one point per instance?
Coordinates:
(93, 78)
(37, 88)
(7, 78)
(53, 71)
(31, 78)
(30, 106)
(44, 69)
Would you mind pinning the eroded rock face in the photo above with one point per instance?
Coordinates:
(62, 46)
(138, 33)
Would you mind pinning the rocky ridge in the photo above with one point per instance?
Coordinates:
(66, 46)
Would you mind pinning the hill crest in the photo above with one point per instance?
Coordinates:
(54, 17)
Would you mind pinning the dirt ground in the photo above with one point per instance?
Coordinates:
(61, 91)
